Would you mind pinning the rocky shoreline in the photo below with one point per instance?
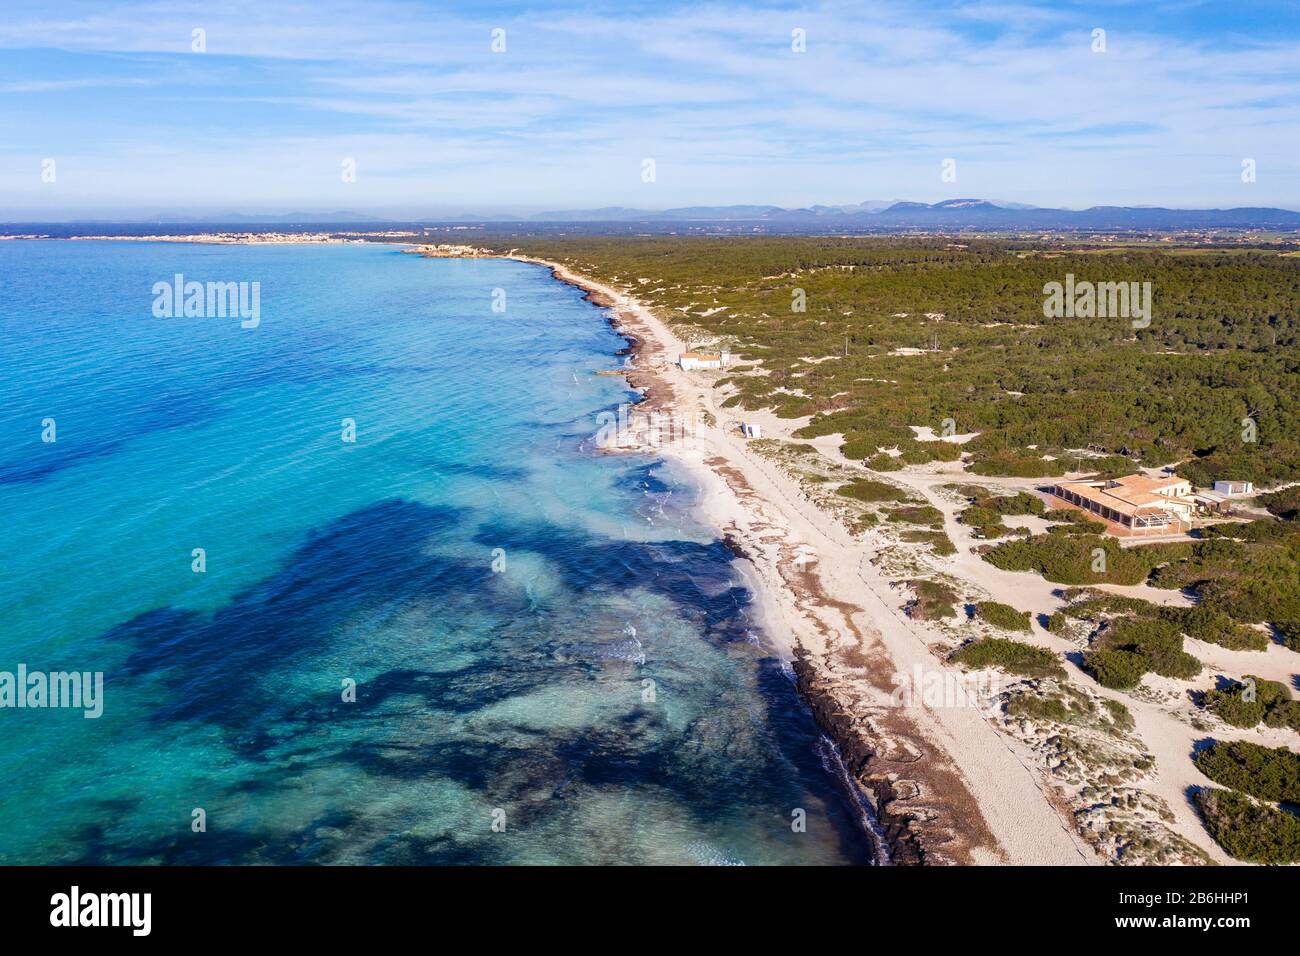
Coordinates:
(898, 828)
(902, 831)
(941, 788)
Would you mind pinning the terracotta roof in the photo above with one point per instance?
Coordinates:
(1126, 499)
(1142, 483)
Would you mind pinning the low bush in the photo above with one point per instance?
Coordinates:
(978, 516)
(1118, 713)
(1021, 503)
(1052, 707)
(1071, 559)
(1118, 670)
(1248, 830)
(918, 514)
(1157, 642)
(864, 489)
(1215, 627)
(933, 600)
(1265, 772)
(941, 543)
(1252, 701)
(1086, 526)
(1002, 615)
(1285, 503)
(884, 462)
(1011, 465)
(1015, 657)
(1289, 631)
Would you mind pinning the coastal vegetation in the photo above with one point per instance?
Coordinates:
(1128, 648)
(932, 600)
(1252, 702)
(1269, 773)
(870, 491)
(1250, 830)
(1002, 615)
(1241, 575)
(986, 510)
(888, 344)
(1083, 558)
(1198, 622)
(869, 336)
(1015, 657)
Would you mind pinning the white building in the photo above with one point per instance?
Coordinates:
(696, 360)
(1234, 487)
(751, 430)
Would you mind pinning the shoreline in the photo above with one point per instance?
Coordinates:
(942, 783)
(907, 763)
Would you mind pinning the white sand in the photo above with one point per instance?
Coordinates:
(780, 529)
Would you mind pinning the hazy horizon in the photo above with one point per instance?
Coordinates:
(274, 215)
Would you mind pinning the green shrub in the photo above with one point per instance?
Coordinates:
(938, 540)
(1011, 465)
(1118, 670)
(883, 462)
(1265, 772)
(1013, 656)
(1118, 713)
(1285, 503)
(1002, 615)
(1021, 503)
(1253, 701)
(933, 600)
(1232, 707)
(984, 522)
(1069, 559)
(918, 514)
(1290, 633)
(1087, 526)
(1056, 622)
(1053, 707)
(1157, 642)
(864, 489)
(1247, 830)
(1215, 627)
(859, 448)
(979, 517)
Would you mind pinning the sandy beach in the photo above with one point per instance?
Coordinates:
(950, 781)
(947, 787)
(950, 776)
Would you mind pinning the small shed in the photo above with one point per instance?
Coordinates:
(751, 430)
(1234, 487)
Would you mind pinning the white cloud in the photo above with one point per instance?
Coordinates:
(1012, 91)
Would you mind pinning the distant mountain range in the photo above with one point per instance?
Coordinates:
(872, 216)
(977, 214)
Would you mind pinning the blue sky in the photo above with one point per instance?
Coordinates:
(436, 122)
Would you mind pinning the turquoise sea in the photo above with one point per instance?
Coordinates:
(554, 662)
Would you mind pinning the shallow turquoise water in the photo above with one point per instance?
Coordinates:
(519, 694)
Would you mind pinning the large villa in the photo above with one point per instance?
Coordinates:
(1137, 504)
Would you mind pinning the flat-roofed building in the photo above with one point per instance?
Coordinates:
(1234, 487)
(1136, 502)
